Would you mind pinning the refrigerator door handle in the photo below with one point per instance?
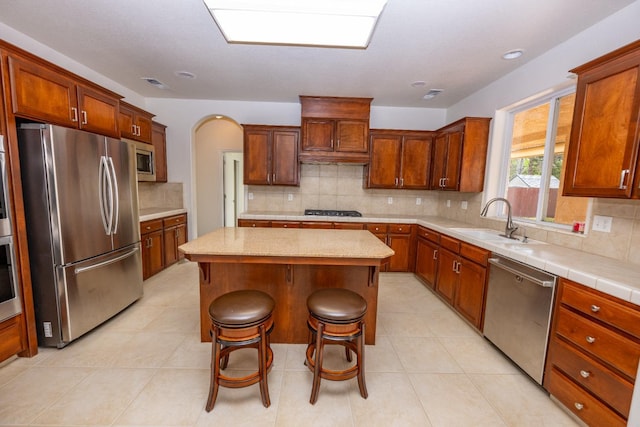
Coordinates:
(105, 263)
(115, 202)
(102, 196)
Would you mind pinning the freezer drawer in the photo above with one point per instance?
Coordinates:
(92, 291)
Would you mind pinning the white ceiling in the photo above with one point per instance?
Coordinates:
(455, 45)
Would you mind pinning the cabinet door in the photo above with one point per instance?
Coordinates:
(352, 136)
(427, 261)
(127, 122)
(416, 162)
(257, 157)
(40, 93)
(317, 135)
(285, 158)
(603, 147)
(454, 155)
(439, 161)
(447, 275)
(159, 141)
(174, 237)
(144, 123)
(98, 112)
(152, 253)
(384, 166)
(469, 299)
(401, 244)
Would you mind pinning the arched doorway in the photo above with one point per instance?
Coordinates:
(214, 137)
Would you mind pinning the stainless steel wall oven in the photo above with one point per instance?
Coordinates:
(10, 302)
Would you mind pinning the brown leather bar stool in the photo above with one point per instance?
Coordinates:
(240, 319)
(335, 317)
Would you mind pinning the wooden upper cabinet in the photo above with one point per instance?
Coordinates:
(44, 93)
(135, 123)
(460, 154)
(602, 157)
(159, 142)
(399, 159)
(335, 130)
(271, 155)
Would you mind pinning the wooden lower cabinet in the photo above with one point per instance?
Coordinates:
(462, 278)
(400, 238)
(593, 356)
(160, 239)
(427, 250)
(11, 337)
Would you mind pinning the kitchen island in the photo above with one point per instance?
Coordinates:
(288, 264)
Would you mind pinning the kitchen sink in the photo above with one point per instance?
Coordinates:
(482, 234)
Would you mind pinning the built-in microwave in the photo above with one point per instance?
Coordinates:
(145, 161)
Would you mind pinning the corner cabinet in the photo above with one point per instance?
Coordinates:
(42, 92)
(159, 142)
(399, 159)
(135, 123)
(594, 349)
(460, 155)
(334, 130)
(602, 157)
(271, 155)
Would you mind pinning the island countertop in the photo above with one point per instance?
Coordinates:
(287, 243)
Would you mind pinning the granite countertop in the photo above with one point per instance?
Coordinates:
(281, 242)
(155, 213)
(611, 276)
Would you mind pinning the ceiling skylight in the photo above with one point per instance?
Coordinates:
(329, 23)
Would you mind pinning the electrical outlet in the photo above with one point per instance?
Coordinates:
(48, 332)
(250, 195)
(448, 203)
(389, 200)
(463, 204)
(602, 223)
(418, 201)
(290, 197)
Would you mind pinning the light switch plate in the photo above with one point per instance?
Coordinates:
(602, 223)
(389, 200)
(418, 201)
(463, 204)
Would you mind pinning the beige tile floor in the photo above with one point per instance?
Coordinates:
(147, 367)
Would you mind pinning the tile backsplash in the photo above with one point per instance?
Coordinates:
(160, 195)
(341, 187)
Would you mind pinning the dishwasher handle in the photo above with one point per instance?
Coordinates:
(544, 283)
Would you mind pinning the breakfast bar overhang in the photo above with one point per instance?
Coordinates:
(288, 264)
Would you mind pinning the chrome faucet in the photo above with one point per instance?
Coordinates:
(510, 227)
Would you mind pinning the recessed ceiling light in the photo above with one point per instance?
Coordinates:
(185, 74)
(513, 54)
(155, 82)
(418, 83)
(328, 23)
(432, 93)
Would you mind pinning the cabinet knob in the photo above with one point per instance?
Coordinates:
(579, 406)
(148, 227)
(590, 339)
(595, 308)
(585, 374)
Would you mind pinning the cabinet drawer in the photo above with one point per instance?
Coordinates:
(430, 235)
(581, 403)
(595, 377)
(149, 226)
(450, 243)
(377, 228)
(400, 228)
(174, 220)
(348, 226)
(317, 224)
(285, 224)
(601, 307)
(474, 253)
(612, 348)
(254, 223)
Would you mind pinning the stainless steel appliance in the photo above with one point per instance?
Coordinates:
(145, 160)
(518, 313)
(81, 207)
(10, 302)
(324, 212)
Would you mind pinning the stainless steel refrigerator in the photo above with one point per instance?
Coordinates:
(81, 208)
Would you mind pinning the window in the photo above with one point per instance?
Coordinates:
(532, 182)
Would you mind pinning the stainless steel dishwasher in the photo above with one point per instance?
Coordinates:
(518, 312)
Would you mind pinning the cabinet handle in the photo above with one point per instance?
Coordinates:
(133, 129)
(585, 374)
(595, 308)
(150, 243)
(401, 182)
(396, 182)
(75, 114)
(579, 406)
(177, 233)
(435, 254)
(590, 339)
(623, 176)
(84, 117)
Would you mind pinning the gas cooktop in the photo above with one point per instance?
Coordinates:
(322, 212)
